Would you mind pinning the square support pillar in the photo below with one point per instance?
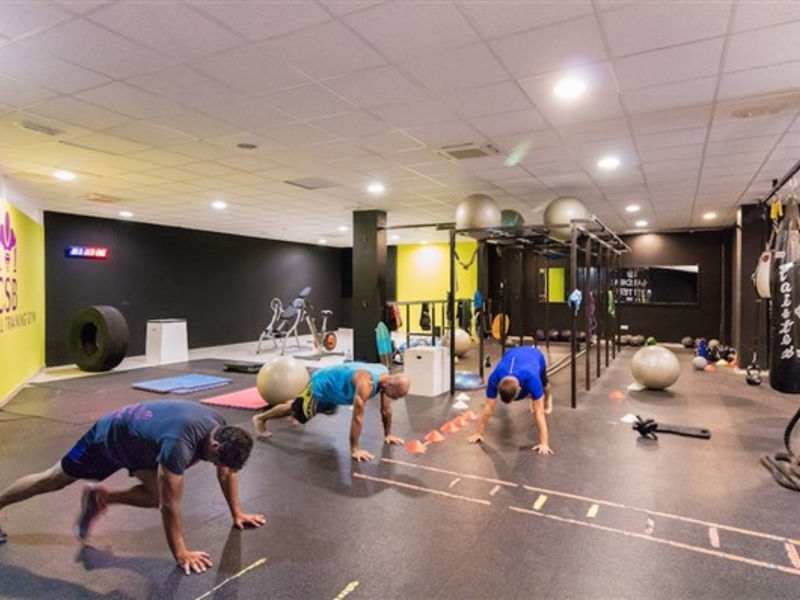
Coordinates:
(369, 280)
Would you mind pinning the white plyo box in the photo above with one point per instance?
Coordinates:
(167, 342)
(428, 369)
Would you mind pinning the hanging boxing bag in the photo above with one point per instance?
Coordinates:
(784, 368)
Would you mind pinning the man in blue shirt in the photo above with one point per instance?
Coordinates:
(349, 383)
(156, 442)
(520, 374)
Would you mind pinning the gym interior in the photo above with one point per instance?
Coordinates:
(210, 202)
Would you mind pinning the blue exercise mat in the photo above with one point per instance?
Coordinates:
(182, 384)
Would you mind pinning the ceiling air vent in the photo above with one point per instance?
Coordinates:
(312, 183)
(38, 128)
(463, 151)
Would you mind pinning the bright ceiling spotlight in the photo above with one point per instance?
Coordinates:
(709, 216)
(63, 175)
(608, 163)
(569, 88)
(322, 241)
(632, 208)
(219, 205)
(376, 188)
(641, 223)
(343, 228)
(394, 237)
(126, 214)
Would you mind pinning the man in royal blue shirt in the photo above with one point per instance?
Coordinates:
(351, 383)
(156, 442)
(520, 374)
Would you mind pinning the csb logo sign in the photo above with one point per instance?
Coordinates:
(8, 268)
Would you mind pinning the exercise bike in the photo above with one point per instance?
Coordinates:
(285, 321)
(324, 340)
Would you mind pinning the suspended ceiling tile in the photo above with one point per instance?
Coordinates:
(687, 61)
(171, 28)
(399, 33)
(262, 20)
(322, 51)
(561, 46)
(459, 69)
(763, 47)
(78, 113)
(639, 27)
(670, 96)
(97, 49)
(308, 101)
(519, 16)
(18, 19)
(151, 134)
(488, 100)
(376, 87)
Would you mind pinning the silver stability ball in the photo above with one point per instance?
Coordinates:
(477, 211)
(655, 367)
(560, 212)
(281, 380)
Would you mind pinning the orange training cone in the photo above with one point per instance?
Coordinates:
(460, 421)
(416, 447)
(434, 436)
(470, 416)
(449, 427)
(616, 396)
(710, 368)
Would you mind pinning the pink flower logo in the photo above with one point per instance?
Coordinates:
(7, 238)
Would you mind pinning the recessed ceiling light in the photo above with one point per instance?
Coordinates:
(709, 215)
(569, 88)
(424, 242)
(632, 208)
(376, 188)
(394, 237)
(322, 241)
(608, 163)
(63, 175)
(125, 213)
(344, 228)
(641, 223)
(219, 205)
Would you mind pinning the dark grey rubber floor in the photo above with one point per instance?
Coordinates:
(620, 518)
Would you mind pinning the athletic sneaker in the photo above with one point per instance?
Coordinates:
(91, 508)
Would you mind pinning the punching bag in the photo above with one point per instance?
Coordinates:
(784, 367)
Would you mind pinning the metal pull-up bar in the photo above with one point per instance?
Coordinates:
(781, 182)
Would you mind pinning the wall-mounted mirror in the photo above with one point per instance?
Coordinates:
(659, 284)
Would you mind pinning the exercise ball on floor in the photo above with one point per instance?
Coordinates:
(560, 212)
(463, 341)
(699, 363)
(511, 218)
(477, 211)
(465, 380)
(282, 380)
(655, 367)
(687, 342)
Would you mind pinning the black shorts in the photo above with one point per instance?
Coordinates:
(305, 408)
(543, 377)
(89, 459)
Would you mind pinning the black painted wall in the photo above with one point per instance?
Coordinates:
(754, 235)
(666, 323)
(221, 284)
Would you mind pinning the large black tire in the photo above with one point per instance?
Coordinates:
(98, 338)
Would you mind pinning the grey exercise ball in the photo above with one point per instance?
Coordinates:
(687, 342)
(699, 363)
(477, 211)
(655, 367)
(560, 212)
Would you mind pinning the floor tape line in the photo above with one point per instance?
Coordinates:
(791, 552)
(348, 589)
(539, 502)
(421, 489)
(454, 482)
(655, 513)
(733, 557)
(445, 471)
(256, 564)
(593, 510)
(713, 537)
(495, 489)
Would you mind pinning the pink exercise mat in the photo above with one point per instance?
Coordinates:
(248, 399)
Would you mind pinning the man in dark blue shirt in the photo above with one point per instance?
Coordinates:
(156, 442)
(520, 374)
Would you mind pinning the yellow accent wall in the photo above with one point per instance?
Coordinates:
(423, 273)
(556, 291)
(21, 298)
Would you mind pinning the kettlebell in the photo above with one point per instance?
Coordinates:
(753, 376)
